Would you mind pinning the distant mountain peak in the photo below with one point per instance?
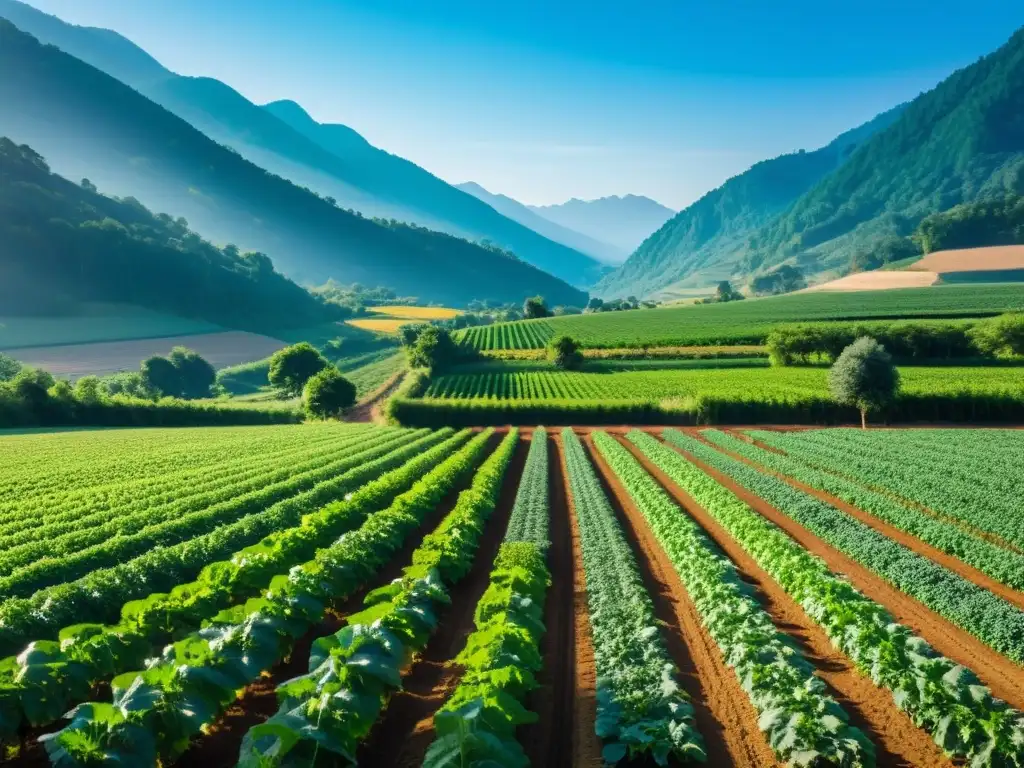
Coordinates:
(293, 109)
(622, 220)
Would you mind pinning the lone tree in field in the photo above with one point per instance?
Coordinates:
(564, 352)
(535, 307)
(434, 349)
(292, 367)
(864, 377)
(328, 393)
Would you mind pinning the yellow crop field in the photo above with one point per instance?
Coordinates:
(416, 313)
(381, 325)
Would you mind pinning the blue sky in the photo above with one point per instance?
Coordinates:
(546, 100)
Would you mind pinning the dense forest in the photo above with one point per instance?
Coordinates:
(960, 142)
(715, 228)
(973, 225)
(333, 160)
(63, 243)
(87, 124)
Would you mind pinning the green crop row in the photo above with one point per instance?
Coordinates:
(945, 699)
(69, 549)
(975, 497)
(1001, 564)
(991, 619)
(100, 595)
(803, 724)
(40, 684)
(641, 710)
(529, 521)
(155, 712)
(353, 673)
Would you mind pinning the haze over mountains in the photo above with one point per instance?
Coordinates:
(332, 160)
(624, 221)
(959, 142)
(87, 124)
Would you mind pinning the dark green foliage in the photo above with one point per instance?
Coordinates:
(292, 367)
(535, 307)
(328, 394)
(182, 374)
(907, 341)
(72, 112)
(129, 383)
(1000, 336)
(9, 367)
(785, 279)
(64, 244)
(864, 376)
(160, 374)
(885, 251)
(973, 225)
(434, 349)
(564, 352)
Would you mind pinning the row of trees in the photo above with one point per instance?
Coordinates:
(301, 370)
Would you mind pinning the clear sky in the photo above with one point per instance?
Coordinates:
(545, 100)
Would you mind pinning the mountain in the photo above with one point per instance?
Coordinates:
(516, 211)
(63, 245)
(960, 142)
(704, 242)
(332, 160)
(625, 222)
(87, 124)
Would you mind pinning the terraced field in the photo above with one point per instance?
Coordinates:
(338, 594)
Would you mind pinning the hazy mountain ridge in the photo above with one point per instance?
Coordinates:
(87, 124)
(624, 221)
(290, 144)
(513, 209)
(713, 231)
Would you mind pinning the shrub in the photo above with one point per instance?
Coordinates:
(864, 377)
(999, 336)
(292, 367)
(9, 367)
(328, 394)
(434, 349)
(564, 352)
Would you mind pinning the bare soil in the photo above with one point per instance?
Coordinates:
(1004, 678)
(999, 257)
(897, 740)
(879, 280)
(370, 409)
(405, 731)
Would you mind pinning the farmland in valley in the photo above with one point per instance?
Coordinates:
(278, 595)
(746, 322)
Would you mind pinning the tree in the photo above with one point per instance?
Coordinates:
(564, 352)
(434, 349)
(292, 367)
(88, 390)
(998, 336)
(595, 304)
(196, 375)
(410, 333)
(864, 377)
(9, 367)
(328, 394)
(161, 375)
(535, 307)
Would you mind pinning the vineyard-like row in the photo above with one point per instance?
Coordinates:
(746, 322)
(386, 602)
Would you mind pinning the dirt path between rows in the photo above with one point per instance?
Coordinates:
(908, 540)
(220, 747)
(405, 731)
(722, 711)
(545, 742)
(962, 525)
(586, 747)
(1004, 678)
(369, 409)
(897, 740)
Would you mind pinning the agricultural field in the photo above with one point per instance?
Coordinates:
(388, 319)
(336, 594)
(746, 322)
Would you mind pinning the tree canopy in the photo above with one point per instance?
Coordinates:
(328, 393)
(292, 367)
(864, 376)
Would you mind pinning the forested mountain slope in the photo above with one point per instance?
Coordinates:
(710, 235)
(87, 124)
(960, 142)
(63, 244)
(332, 160)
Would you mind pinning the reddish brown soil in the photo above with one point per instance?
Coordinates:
(544, 741)
(1002, 676)
(722, 711)
(370, 408)
(998, 257)
(908, 540)
(897, 740)
(586, 747)
(405, 731)
(220, 746)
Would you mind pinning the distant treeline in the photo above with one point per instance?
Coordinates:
(974, 225)
(906, 341)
